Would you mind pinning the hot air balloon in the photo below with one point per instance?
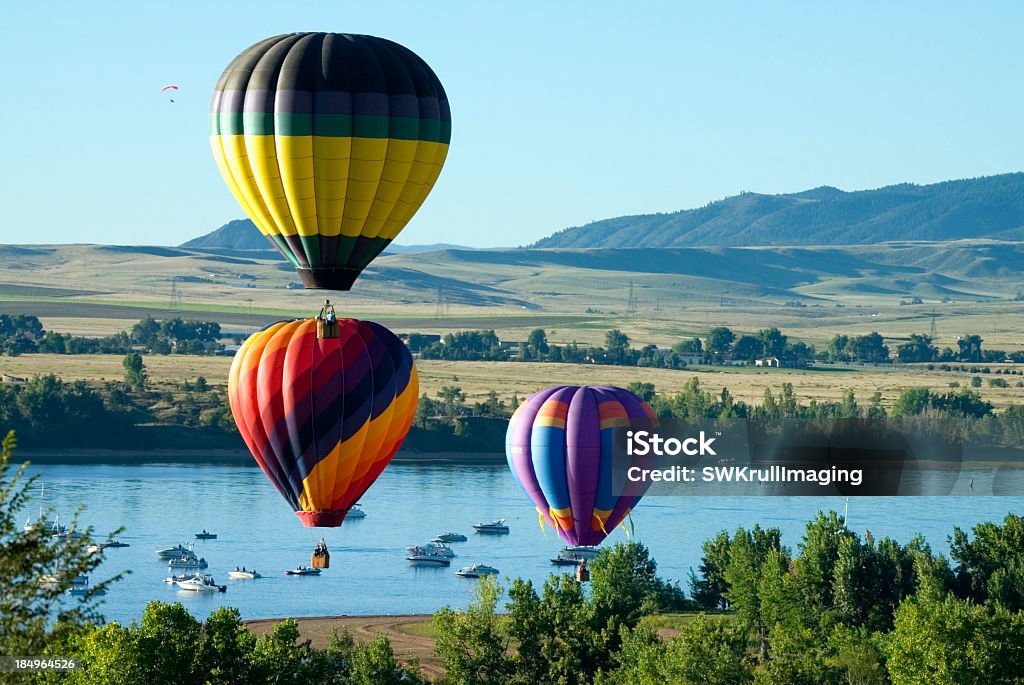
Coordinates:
(323, 405)
(330, 143)
(559, 447)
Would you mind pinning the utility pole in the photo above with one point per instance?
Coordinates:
(632, 304)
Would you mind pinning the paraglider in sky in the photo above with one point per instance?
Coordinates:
(559, 448)
(330, 143)
(323, 405)
(170, 90)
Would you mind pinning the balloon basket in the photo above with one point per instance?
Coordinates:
(582, 573)
(320, 560)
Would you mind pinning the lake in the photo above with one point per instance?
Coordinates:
(163, 505)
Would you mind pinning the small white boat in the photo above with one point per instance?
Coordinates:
(428, 560)
(477, 570)
(200, 583)
(303, 571)
(206, 535)
(450, 537)
(492, 527)
(187, 562)
(355, 513)
(243, 574)
(438, 548)
(174, 579)
(176, 552)
(579, 552)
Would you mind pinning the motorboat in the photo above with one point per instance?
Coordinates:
(243, 574)
(174, 579)
(419, 559)
(303, 571)
(200, 583)
(491, 528)
(82, 590)
(579, 552)
(476, 571)
(114, 543)
(566, 560)
(187, 562)
(355, 513)
(438, 548)
(450, 537)
(206, 535)
(177, 552)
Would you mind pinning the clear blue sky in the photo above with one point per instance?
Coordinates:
(563, 113)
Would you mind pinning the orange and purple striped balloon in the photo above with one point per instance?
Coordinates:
(559, 448)
(323, 416)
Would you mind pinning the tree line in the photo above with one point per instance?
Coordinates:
(720, 345)
(24, 334)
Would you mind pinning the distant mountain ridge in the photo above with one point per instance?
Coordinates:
(242, 234)
(987, 207)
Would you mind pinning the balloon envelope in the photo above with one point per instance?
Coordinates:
(323, 416)
(330, 142)
(559, 447)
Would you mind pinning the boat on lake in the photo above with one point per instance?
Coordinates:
(177, 552)
(438, 548)
(200, 582)
(302, 571)
(174, 579)
(497, 527)
(423, 559)
(243, 574)
(355, 513)
(587, 552)
(206, 535)
(114, 543)
(450, 537)
(187, 562)
(476, 571)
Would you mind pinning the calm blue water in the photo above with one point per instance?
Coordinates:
(162, 505)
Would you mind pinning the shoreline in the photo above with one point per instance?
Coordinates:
(236, 457)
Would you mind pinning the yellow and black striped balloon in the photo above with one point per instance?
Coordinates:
(330, 142)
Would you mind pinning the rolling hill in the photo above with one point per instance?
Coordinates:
(242, 234)
(989, 207)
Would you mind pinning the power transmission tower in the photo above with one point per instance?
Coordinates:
(932, 332)
(632, 304)
(443, 308)
(175, 305)
(657, 305)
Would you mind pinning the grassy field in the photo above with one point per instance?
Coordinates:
(477, 379)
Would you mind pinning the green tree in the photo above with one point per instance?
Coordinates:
(970, 349)
(134, 371)
(688, 346)
(537, 343)
(918, 349)
(869, 348)
(644, 391)
(709, 589)
(748, 347)
(617, 344)
(941, 640)
(719, 340)
(471, 643)
(37, 570)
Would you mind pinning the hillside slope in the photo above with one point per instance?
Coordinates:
(990, 207)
